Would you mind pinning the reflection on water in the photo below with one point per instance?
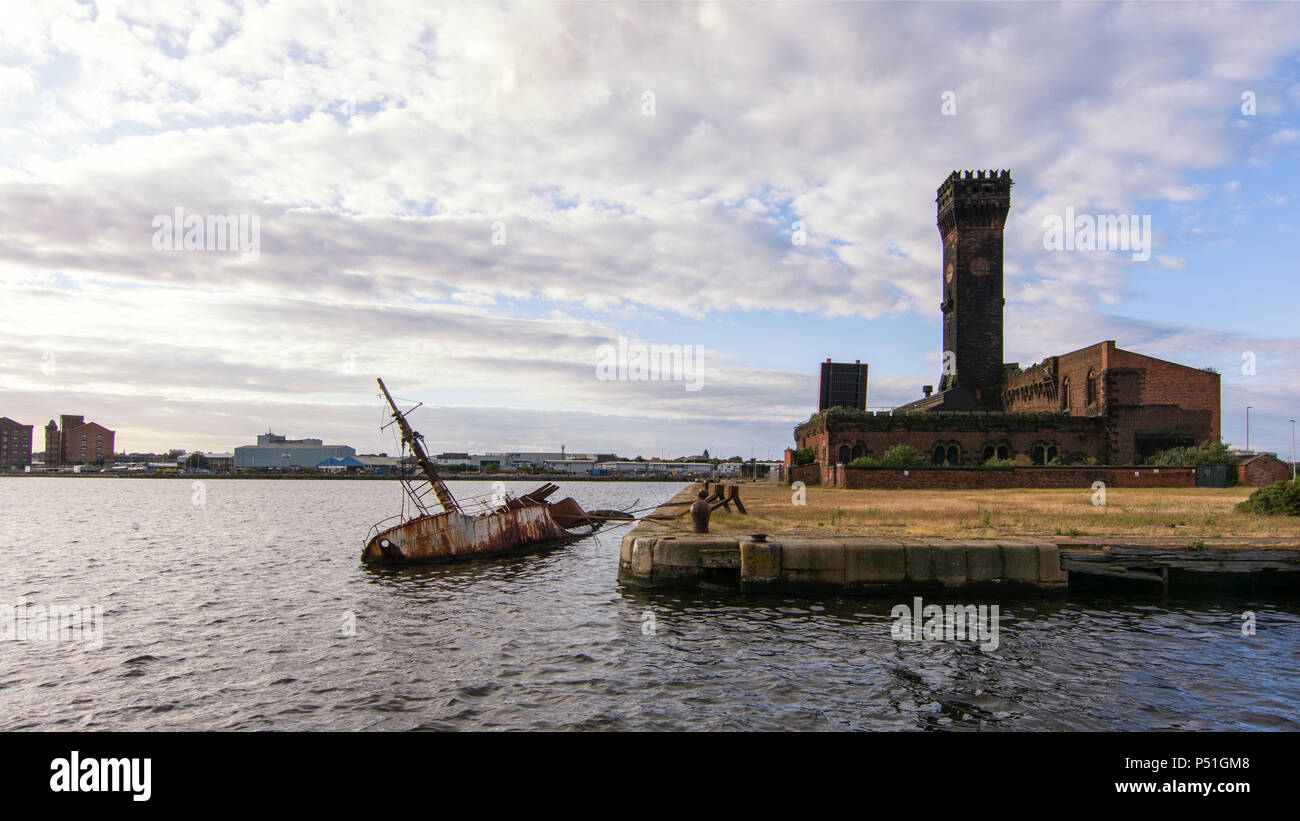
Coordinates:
(252, 611)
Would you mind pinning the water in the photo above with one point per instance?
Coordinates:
(230, 615)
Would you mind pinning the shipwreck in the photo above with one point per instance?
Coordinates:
(434, 527)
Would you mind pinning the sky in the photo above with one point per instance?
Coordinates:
(476, 201)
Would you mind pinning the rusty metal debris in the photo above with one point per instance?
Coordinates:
(725, 495)
(513, 524)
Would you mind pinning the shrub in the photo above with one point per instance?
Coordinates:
(804, 456)
(995, 462)
(1280, 498)
(1206, 453)
(901, 456)
(897, 456)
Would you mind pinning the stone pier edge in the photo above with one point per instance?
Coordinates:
(660, 552)
(844, 564)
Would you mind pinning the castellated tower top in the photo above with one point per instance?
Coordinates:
(974, 199)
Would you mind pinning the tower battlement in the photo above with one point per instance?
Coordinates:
(975, 198)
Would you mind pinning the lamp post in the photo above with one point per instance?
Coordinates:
(1293, 450)
(1248, 428)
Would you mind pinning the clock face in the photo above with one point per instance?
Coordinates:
(979, 267)
(947, 275)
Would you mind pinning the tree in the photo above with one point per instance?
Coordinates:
(706, 454)
(196, 460)
(804, 456)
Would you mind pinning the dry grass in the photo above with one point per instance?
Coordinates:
(1185, 513)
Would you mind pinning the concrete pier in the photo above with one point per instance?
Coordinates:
(663, 552)
(653, 555)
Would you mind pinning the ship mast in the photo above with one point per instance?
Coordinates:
(412, 440)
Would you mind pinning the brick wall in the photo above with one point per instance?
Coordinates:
(1016, 477)
(1074, 438)
(808, 474)
(1127, 423)
(1032, 390)
(1168, 383)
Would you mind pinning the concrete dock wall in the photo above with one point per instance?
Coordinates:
(850, 565)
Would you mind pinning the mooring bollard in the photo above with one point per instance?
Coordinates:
(700, 513)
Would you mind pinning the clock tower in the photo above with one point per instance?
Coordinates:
(972, 211)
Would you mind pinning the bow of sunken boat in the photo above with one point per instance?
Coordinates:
(528, 522)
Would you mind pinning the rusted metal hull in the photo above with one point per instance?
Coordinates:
(455, 535)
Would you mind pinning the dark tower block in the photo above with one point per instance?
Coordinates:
(843, 386)
(53, 445)
(972, 208)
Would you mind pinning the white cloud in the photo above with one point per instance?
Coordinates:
(380, 143)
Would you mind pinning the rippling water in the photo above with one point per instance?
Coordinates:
(231, 614)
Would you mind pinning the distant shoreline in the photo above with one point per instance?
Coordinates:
(491, 477)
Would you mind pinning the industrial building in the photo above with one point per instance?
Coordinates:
(74, 441)
(1101, 404)
(275, 452)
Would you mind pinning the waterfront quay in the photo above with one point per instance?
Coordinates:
(848, 558)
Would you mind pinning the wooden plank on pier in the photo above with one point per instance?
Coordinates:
(1119, 572)
(1192, 560)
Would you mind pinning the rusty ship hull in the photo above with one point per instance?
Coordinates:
(452, 535)
(506, 525)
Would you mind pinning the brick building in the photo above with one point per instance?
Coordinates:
(74, 441)
(1099, 403)
(1259, 469)
(15, 445)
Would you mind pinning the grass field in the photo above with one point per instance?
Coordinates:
(1184, 513)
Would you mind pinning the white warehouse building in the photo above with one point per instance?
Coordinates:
(275, 451)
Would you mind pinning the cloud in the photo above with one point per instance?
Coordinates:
(432, 179)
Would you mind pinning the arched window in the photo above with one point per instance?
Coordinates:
(857, 451)
(1065, 391)
(844, 453)
(1051, 452)
(938, 455)
(997, 451)
(954, 455)
(1092, 387)
(1038, 455)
